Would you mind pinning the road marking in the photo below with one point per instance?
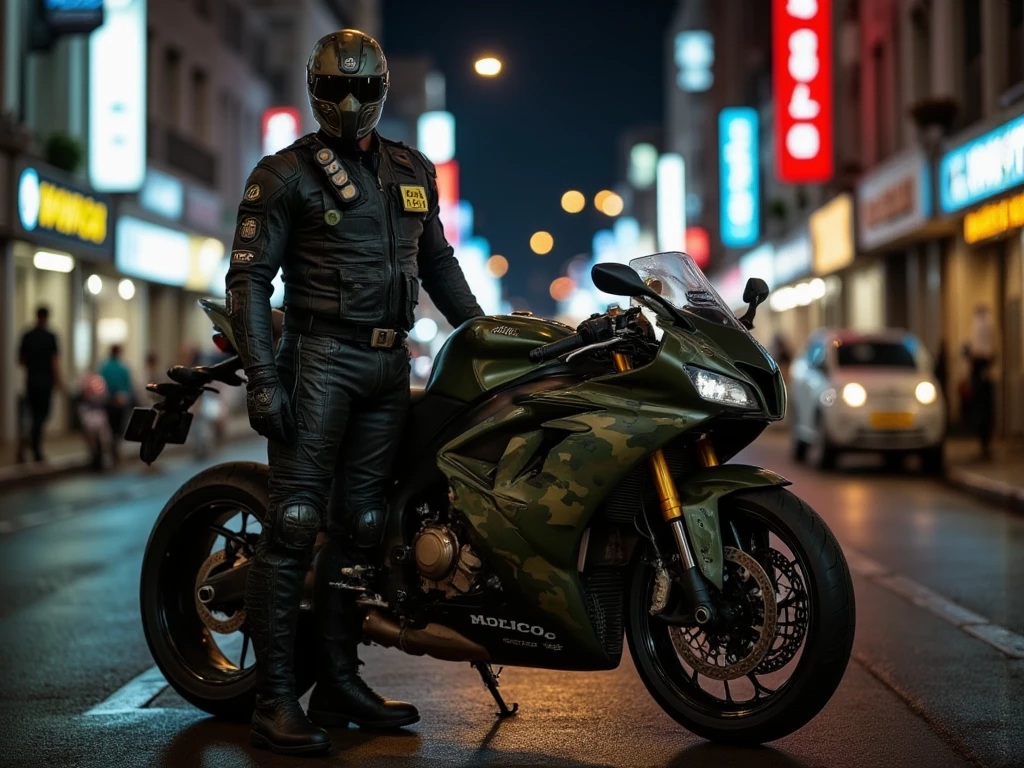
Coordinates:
(977, 626)
(133, 696)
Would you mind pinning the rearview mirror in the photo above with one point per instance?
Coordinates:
(622, 280)
(618, 279)
(754, 294)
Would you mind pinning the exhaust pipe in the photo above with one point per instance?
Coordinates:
(432, 640)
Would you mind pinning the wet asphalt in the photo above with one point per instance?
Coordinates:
(920, 691)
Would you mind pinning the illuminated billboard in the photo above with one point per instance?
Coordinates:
(117, 98)
(982, 167)
(671, 181)
(802, 71)
(740, 184)
(53, 211)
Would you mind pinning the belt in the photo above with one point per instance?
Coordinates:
(306, 322)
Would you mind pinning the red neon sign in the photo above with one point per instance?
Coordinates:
(448, 199)
(281, 127)
(698, 245)
(803, 89)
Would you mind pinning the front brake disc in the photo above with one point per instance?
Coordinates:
(718, 656)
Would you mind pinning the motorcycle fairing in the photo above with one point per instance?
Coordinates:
(561, 453)
(700, 494)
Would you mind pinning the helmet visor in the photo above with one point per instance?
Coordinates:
(336, 88)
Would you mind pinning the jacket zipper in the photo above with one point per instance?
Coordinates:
(387, 202)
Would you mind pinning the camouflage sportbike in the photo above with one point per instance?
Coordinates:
(556, 490)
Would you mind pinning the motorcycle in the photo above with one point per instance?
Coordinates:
(559, 489)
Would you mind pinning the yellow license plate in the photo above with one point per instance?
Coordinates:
(882, 420)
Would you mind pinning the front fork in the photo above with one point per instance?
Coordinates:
(693, 580)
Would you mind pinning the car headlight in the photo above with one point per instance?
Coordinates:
(721, 389)
(854, 395)
(925, 393)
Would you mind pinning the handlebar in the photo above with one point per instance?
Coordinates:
(556, 348)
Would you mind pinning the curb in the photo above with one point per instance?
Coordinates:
(17, 476)
(993, 491)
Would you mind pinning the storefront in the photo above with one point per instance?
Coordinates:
(797, 299)
(60, 232)
(851, 295)
(980, 190)
(896, 230)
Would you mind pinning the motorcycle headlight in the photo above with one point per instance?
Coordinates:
(717, 388)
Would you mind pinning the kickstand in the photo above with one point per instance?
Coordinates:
(490, 678)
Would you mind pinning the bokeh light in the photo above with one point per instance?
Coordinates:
(600, 198)
(573, 201)
(497, 265)
(541, 242)
(126, 289)
(94, 284)
(488, 66)
(561, 288)
(612, 205)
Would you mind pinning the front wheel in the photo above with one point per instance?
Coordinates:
(775, 655)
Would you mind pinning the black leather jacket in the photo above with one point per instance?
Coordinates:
(353, 234)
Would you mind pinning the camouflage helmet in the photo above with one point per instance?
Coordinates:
(347, 81)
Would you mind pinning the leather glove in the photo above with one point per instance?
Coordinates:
(270, 411)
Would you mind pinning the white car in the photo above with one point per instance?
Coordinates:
(853, 391)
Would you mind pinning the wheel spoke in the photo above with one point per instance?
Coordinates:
(759, 689)
(229, 534)
(728, 693)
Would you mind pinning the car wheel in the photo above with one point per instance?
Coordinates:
(823, 453)
(933, 460)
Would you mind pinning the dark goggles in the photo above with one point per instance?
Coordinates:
(336, 88)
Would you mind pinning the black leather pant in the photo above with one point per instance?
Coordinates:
(350, 403)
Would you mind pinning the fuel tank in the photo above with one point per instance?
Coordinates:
(486, 352)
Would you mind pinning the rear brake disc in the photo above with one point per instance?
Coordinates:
(215, 622)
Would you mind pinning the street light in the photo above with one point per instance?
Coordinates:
(573, 201)
(612, 205)
(541, 242)
(488, 66)
(497, 265)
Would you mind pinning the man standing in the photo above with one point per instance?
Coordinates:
(38, 354)
(352, 219)
(983, 356)
(118, 379)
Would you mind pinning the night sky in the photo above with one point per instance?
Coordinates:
(576, 75)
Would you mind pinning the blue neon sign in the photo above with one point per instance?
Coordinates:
(740, 188)
(983, 167)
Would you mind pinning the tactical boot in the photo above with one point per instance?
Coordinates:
(281, 726)
(272, 600)
(341, 696)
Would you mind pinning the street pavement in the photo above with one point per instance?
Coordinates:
(937, 677)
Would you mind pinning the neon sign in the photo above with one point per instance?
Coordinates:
(803, 89)
(740, 195)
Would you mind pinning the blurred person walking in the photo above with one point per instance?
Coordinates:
(38, 353)
(120, 397)
(982, 357)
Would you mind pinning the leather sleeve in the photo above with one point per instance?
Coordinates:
(440, 272)
(261, 237)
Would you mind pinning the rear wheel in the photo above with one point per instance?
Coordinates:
(771, 666)
(211, 524)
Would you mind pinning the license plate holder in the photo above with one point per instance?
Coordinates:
(892, 420)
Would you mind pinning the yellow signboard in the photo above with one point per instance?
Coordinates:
(994, 219)
(51, 208)
(832, 235)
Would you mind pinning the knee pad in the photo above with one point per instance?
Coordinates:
(369, 526)
(296, 525)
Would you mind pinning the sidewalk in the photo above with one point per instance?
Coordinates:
(68, 454)
(999, 480)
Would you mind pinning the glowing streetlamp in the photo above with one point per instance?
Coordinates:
(488, 66)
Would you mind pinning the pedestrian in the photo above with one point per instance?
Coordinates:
(39, 355)
(313, 399)
(118, 379)
(982, 358)
(941, 371)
